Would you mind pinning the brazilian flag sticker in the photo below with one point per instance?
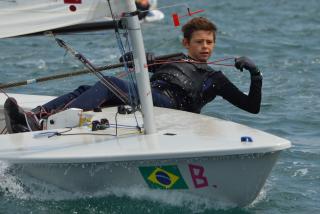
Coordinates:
(163, 177)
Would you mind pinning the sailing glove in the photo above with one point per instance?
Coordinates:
(245, 63)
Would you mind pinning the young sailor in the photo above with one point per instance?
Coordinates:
(142, 7)
(187, 83)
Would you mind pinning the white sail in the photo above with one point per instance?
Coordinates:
(19, 17)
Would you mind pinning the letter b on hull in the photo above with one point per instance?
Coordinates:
(197, 175)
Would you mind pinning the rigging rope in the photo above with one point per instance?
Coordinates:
(132, 88)
(216, 62)
(132, 84)
(113, 88)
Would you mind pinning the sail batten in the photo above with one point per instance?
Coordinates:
(22, 17)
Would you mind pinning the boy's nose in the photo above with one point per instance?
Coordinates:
(205, 45)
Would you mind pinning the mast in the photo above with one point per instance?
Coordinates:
(142, 75)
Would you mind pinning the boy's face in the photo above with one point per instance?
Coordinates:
(200, 46)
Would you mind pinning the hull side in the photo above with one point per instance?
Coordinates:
(234, 179)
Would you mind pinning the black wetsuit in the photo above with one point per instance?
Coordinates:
(194, 85)
(184, 86)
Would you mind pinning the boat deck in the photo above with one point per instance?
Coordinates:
(180, 135)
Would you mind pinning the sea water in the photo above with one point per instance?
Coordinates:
(281, 36)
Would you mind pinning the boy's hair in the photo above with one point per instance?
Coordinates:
(198, 23)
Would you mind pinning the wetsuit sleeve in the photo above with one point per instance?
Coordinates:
(232, 94)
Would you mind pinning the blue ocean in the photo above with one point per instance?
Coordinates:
(280, 36)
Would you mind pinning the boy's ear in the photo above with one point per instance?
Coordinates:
(185, 43)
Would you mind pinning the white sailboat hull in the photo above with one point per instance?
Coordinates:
(234, 179)
(203, 156)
